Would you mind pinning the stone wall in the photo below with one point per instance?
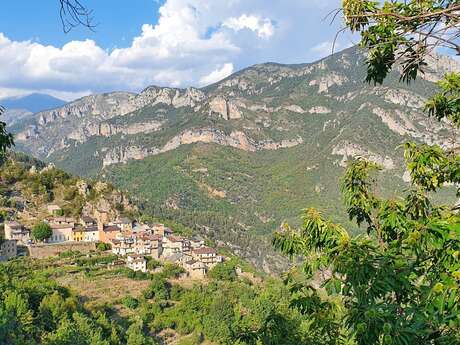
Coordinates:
(41, 251)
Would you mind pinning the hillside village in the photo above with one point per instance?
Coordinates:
(129, 240)
(94, 221)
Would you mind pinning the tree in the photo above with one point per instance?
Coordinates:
(41, 231)
(400, 282)
(402, 31)
(73, 13)
(135, 335)
(6, 139)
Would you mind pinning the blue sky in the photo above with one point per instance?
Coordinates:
(137, 43)
(118, 21)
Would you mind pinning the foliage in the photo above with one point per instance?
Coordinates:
(402, 31)
(130, 302)
(41, 231)
(102, 246)
(400, 283)
(35, 310)
(158, 289)
(223, 271)
(6, 139)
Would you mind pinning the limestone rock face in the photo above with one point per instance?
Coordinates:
(319, 109)
(228, 110)
(124, 154)
(326, 81)
(350, 150)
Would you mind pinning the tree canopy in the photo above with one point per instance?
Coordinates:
(397, 283)
(41, 231)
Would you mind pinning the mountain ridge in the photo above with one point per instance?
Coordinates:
(245, 154)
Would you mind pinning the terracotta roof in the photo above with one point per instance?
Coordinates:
(176, 239)
(90, 228)
(205, 250)
(110, 228)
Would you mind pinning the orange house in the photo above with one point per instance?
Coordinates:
(108, 233)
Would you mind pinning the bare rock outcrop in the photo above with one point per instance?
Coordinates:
(348, 150)
(226, 109)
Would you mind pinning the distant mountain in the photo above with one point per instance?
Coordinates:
(33, 103)
(237, 158)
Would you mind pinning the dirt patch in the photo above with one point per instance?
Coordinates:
(103, 289)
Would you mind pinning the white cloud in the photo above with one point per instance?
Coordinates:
(217, 74)
(194, 42)
(326, 48)
(263, 27)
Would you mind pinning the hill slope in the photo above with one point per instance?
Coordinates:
(246, 153)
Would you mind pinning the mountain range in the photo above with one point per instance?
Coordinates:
(237, 158)
(19, 108)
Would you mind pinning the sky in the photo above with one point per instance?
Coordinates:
(137, 43)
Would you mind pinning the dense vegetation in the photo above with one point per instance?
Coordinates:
(400, 282)
(36, 309)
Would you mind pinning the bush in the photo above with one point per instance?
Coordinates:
(137, 275)
(171, 271)
(41, 231)
(152, 263)
(159, 288)
(130, 302)
(101, 246)
(223, 271)
(69, 254)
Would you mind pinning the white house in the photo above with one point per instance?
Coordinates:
(136, 263)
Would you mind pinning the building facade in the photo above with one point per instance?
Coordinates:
(8, 249)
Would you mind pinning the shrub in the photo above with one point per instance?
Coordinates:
(101, 246)
(159, 288)
(130, 302)
(41, 231)
(223, 271)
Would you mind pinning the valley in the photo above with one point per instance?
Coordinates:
(236, 159)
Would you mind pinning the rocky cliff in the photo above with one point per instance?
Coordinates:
(254, 148)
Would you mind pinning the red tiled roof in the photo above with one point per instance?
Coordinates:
(205, 250)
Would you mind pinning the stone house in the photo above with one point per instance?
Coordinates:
(162, 230)
(195, 269)
(207, 255)
(88, 221)
(68, 221)
(16, 231)
(196, 243)
(107, 233)
(61, 233)
(90, 234)
(125, 224)
(148, 244)
(175, 244)
(136, 263)
(53, 209)
(122, 245)
(8, 249)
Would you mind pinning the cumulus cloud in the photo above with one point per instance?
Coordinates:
(194, 42)
(263, 27)
(217, 74)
